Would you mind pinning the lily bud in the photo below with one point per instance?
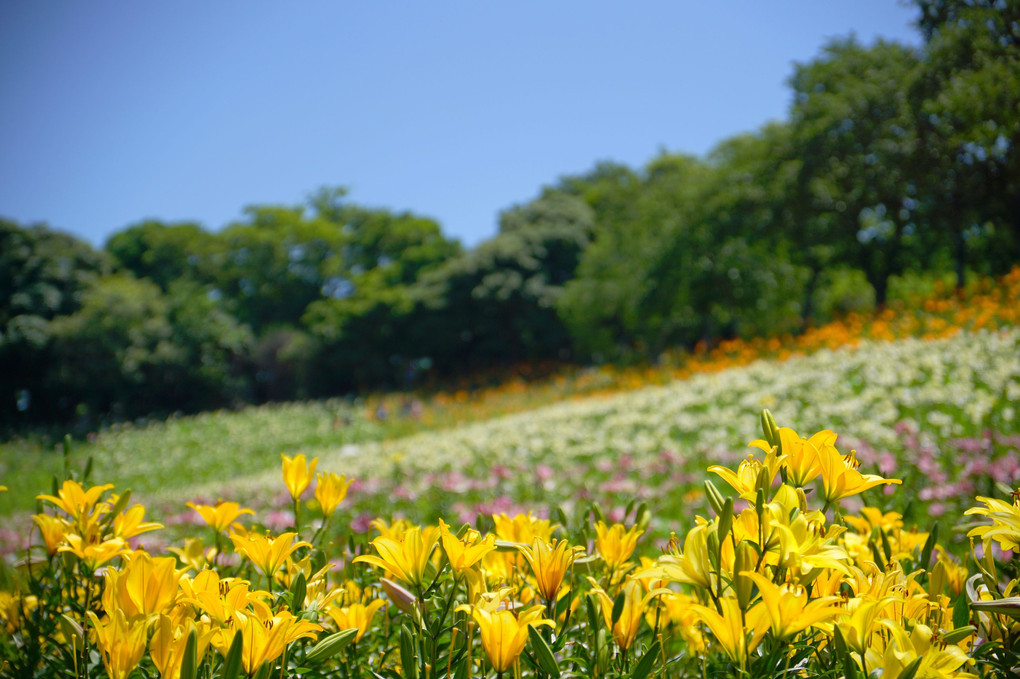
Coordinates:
(771, 431)
(745, 560)
(400, 597)
(726, 519)
(937, 580)
(715, 498)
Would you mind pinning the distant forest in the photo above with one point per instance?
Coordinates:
(894, 160)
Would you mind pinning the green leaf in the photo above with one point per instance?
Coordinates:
(618, 604)
(543, 654)
(961, 612)
(593, 619)
(843, 654)
(643, 517)
(886, 549)
(232, 661)
(298, 588)
(408, 658)
(331, 645)
(121, 504)
(189, 661)
(644, 667)
(561, 516)
(929, 545)
(911, 670)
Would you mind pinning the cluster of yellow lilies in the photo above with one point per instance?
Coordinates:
(778, 580)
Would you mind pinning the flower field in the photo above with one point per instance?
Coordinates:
(632, 533)
(784, 573)
(940, 414)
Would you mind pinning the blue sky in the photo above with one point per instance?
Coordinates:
(113, 112)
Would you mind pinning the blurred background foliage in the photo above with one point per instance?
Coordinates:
(897, 166)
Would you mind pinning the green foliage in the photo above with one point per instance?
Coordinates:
(43, 274)
(163, 253)
(498, 302)
(854, 131)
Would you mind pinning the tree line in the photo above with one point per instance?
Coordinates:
(893, 159)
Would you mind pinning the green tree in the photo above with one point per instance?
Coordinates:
(43, 274)
(855, 132)
(359, 332)
(967, 104)
(163, 253)
(270, 267)
(131, 350)
(497, 302)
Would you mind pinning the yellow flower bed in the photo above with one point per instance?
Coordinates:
(778, 580)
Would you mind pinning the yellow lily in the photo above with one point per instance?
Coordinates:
(743, 480)
(15, 608)
(355, 616)
(75, 501)
(790, 610)
(394, 530)
(805, 544)
(464, 554)
(728, 628)
(522, 528)
(222, 599)
(194, 554)
(615, 544)
(143, 587)
(93, 555)
(937, 660)
(407, 558)
(691, 567)
(53, 529)
(800, 455)
(746, 476)
(863, 616)
(265, 638)
(626, 628)
(166, 648)
(266, 553)
(330, 491)
(840, 478)
(1005, 526)
(122, 643)
(504, 634)
(549, 562)
(132, 522)
(297, 474)
(220, 515)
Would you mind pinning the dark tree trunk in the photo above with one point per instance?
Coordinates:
(807, 308)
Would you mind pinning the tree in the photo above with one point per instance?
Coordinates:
(164, 253)
(130, 350)
(269, 268)
(853, 128)
(43, 274)
(497, 303)
(966, 101)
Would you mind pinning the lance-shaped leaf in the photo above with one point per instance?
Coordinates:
(543, 654)
(331, 645)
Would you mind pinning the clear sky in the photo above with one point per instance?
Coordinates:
(112, 112)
